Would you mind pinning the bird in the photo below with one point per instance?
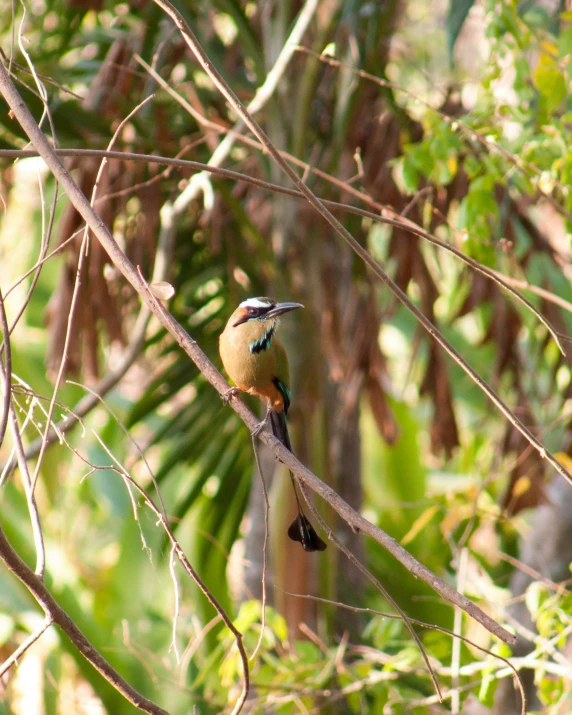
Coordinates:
(256, 362)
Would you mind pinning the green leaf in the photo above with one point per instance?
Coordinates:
(410, 177)
(487, 690)
(565, 42)
(550, 82)
(458, 12)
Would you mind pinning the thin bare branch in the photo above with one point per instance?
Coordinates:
(469, 133)
(171, 211)
(264, 547)
(23, 647)
(511, 285)
(54, 612)
(7, 369)
(5, 379)
(422, 624)
(42, 77)
(457, 626)
(76, 290)
(177, 604)
(129, 436)
(185, 563)
(384, 592)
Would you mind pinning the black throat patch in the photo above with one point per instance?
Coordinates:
(264, 342)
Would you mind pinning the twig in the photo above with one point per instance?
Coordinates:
(36, 269)
(129, 436)
(185, 563)
(110, 380)
(355, 520)
(264, 548)
(177, 603)
(367, 573)
(46, 234)
(7, 368)
(23, 647)
(192, 648)
(5, 379)
(76, 289)
(54, 612)
(422, 624)
(171, 211)
(457, 627)
(42, 77)
(469, 132)
(396, 220)
(90, 401)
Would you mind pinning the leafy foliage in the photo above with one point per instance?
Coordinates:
(484, 164)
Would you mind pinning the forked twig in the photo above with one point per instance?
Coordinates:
(422, 624)
(23, 647)
(76, 289)
(6, 381)
(6, 368)
(367, 573)
(54, 612)
(511, 285)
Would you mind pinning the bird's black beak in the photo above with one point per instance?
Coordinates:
(280, 308)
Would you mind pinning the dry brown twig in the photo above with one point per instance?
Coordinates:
(264, 547)
(171, 211)
(367, 573)
(55, 613)
(6, 384)
(431, 626)
(76, 289)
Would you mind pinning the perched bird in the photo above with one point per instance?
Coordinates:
(256, 362)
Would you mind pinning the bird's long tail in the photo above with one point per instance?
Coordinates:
(300, 529)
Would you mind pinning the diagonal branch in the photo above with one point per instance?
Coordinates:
(56, 614)
(23, 647)
(190, 346)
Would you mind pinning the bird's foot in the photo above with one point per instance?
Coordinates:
(230, 393)
(259, 427)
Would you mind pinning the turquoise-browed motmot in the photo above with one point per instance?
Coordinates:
(257, 363)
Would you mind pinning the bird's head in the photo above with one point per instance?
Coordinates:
(261, 310)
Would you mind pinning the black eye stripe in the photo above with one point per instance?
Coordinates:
(258, 312)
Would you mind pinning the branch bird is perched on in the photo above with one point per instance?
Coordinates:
(256, 361)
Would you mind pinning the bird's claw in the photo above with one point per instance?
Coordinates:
(258, 429)
(261, 425)
(230, 393)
